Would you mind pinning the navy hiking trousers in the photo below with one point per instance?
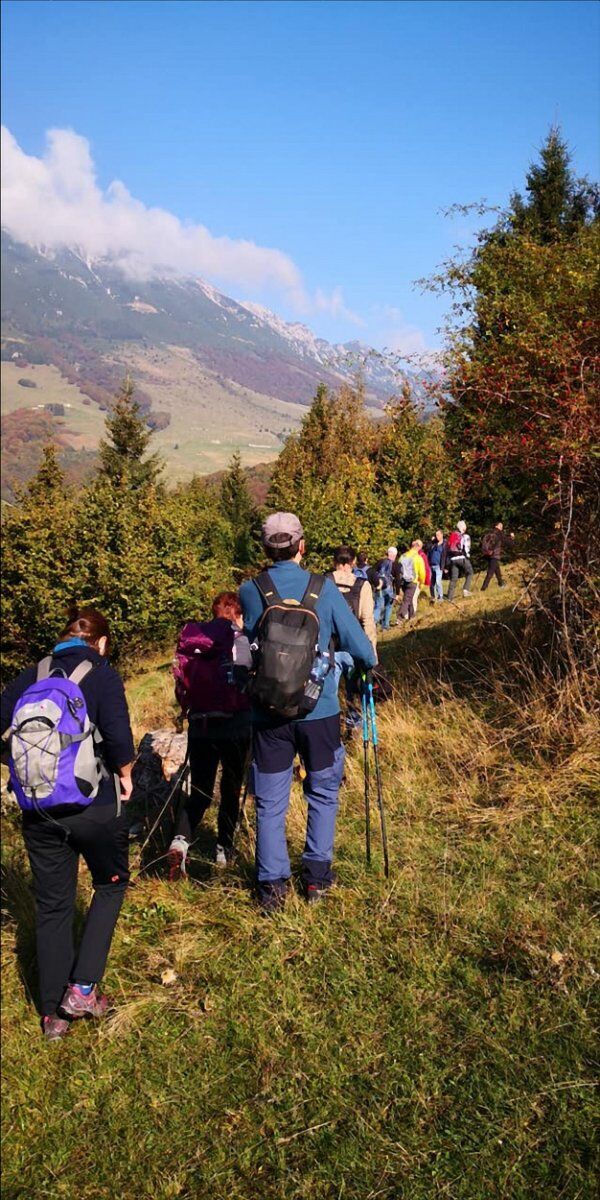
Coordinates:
(319, 745)
(100, 837)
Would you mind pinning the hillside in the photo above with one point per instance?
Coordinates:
(214, 374)
(416, 1039)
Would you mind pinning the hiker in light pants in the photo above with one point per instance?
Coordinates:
(315, 736)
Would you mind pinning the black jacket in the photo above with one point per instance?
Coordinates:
(396, 575)
(500, 543)
(106, 705)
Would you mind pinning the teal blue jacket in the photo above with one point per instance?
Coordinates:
(335, 620)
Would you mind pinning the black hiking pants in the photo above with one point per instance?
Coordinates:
(205, 756)
(100, 837)
(462, 568)
(493, 569)
(406, 608)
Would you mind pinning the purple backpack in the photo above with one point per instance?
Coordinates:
(53, 745)
(205, 679)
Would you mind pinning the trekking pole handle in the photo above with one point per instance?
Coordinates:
(372, 715)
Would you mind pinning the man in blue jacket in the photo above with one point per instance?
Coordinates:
(316, 737)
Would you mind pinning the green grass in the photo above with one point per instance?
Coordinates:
(431, 1036)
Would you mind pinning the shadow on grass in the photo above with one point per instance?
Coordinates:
(18, 910)
(456, 649)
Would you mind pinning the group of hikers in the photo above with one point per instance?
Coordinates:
(399, 579)
(258, 684)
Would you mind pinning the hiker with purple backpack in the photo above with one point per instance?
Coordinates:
(71, 751)
(211, 669)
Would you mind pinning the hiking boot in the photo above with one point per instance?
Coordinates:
(54, 1027)
(271, 897)
(76, 1003)
(223, 856)
(316, 891)
(176, 859)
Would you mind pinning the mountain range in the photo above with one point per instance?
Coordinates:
(212, 373)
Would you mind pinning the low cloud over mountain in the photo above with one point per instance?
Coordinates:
(55, 201)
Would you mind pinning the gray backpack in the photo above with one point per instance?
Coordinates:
(407, 564)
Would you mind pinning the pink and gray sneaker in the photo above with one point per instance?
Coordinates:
(76, 1003)
(54, 1027)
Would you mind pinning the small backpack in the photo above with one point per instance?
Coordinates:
(407, 564)
(54, 756)
(350, 592)
(286, 649)
(385, 574)
(455, 549)
(488, 544)
(206, 680)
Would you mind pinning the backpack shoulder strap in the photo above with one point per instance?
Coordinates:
(267, 589)
(81, 670)
(313, 591)
(357, 586)
(43, 668)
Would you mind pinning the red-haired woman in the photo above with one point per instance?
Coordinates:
(211, 668)
(56, 835)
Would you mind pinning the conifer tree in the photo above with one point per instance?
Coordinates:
(557, 203)
(237, 507)
(39, 568)
(123, 457)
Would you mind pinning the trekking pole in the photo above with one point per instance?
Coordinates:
(365, 720)
(384, 841)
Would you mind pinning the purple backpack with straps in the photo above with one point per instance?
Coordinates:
(54, 758)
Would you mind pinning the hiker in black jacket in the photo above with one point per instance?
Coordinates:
(97, 832)
(494, 542)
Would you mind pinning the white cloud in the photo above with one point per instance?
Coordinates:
(335, 306)
(56, 201)
(401, 342)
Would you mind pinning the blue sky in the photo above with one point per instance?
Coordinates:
(333, 133)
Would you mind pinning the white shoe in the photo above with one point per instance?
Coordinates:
(221, 859)
(177, 859)
(467, 593)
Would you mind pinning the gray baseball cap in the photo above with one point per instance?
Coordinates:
(281, 530)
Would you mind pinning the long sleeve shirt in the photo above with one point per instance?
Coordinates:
(366, 606)
(335, 620)
(418, 566)
(106, 705)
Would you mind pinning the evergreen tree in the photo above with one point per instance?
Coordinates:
(39, 565)
(237, 507)
(557, 202)
(123, 457)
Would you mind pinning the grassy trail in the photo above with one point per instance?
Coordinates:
(426, 1037)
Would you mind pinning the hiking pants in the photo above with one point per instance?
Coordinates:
(406, 608)
(384, 603)
(101, 838)
(493, 569)
(457, 568)
(319, 745)
(436, 588)
(205, 756)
